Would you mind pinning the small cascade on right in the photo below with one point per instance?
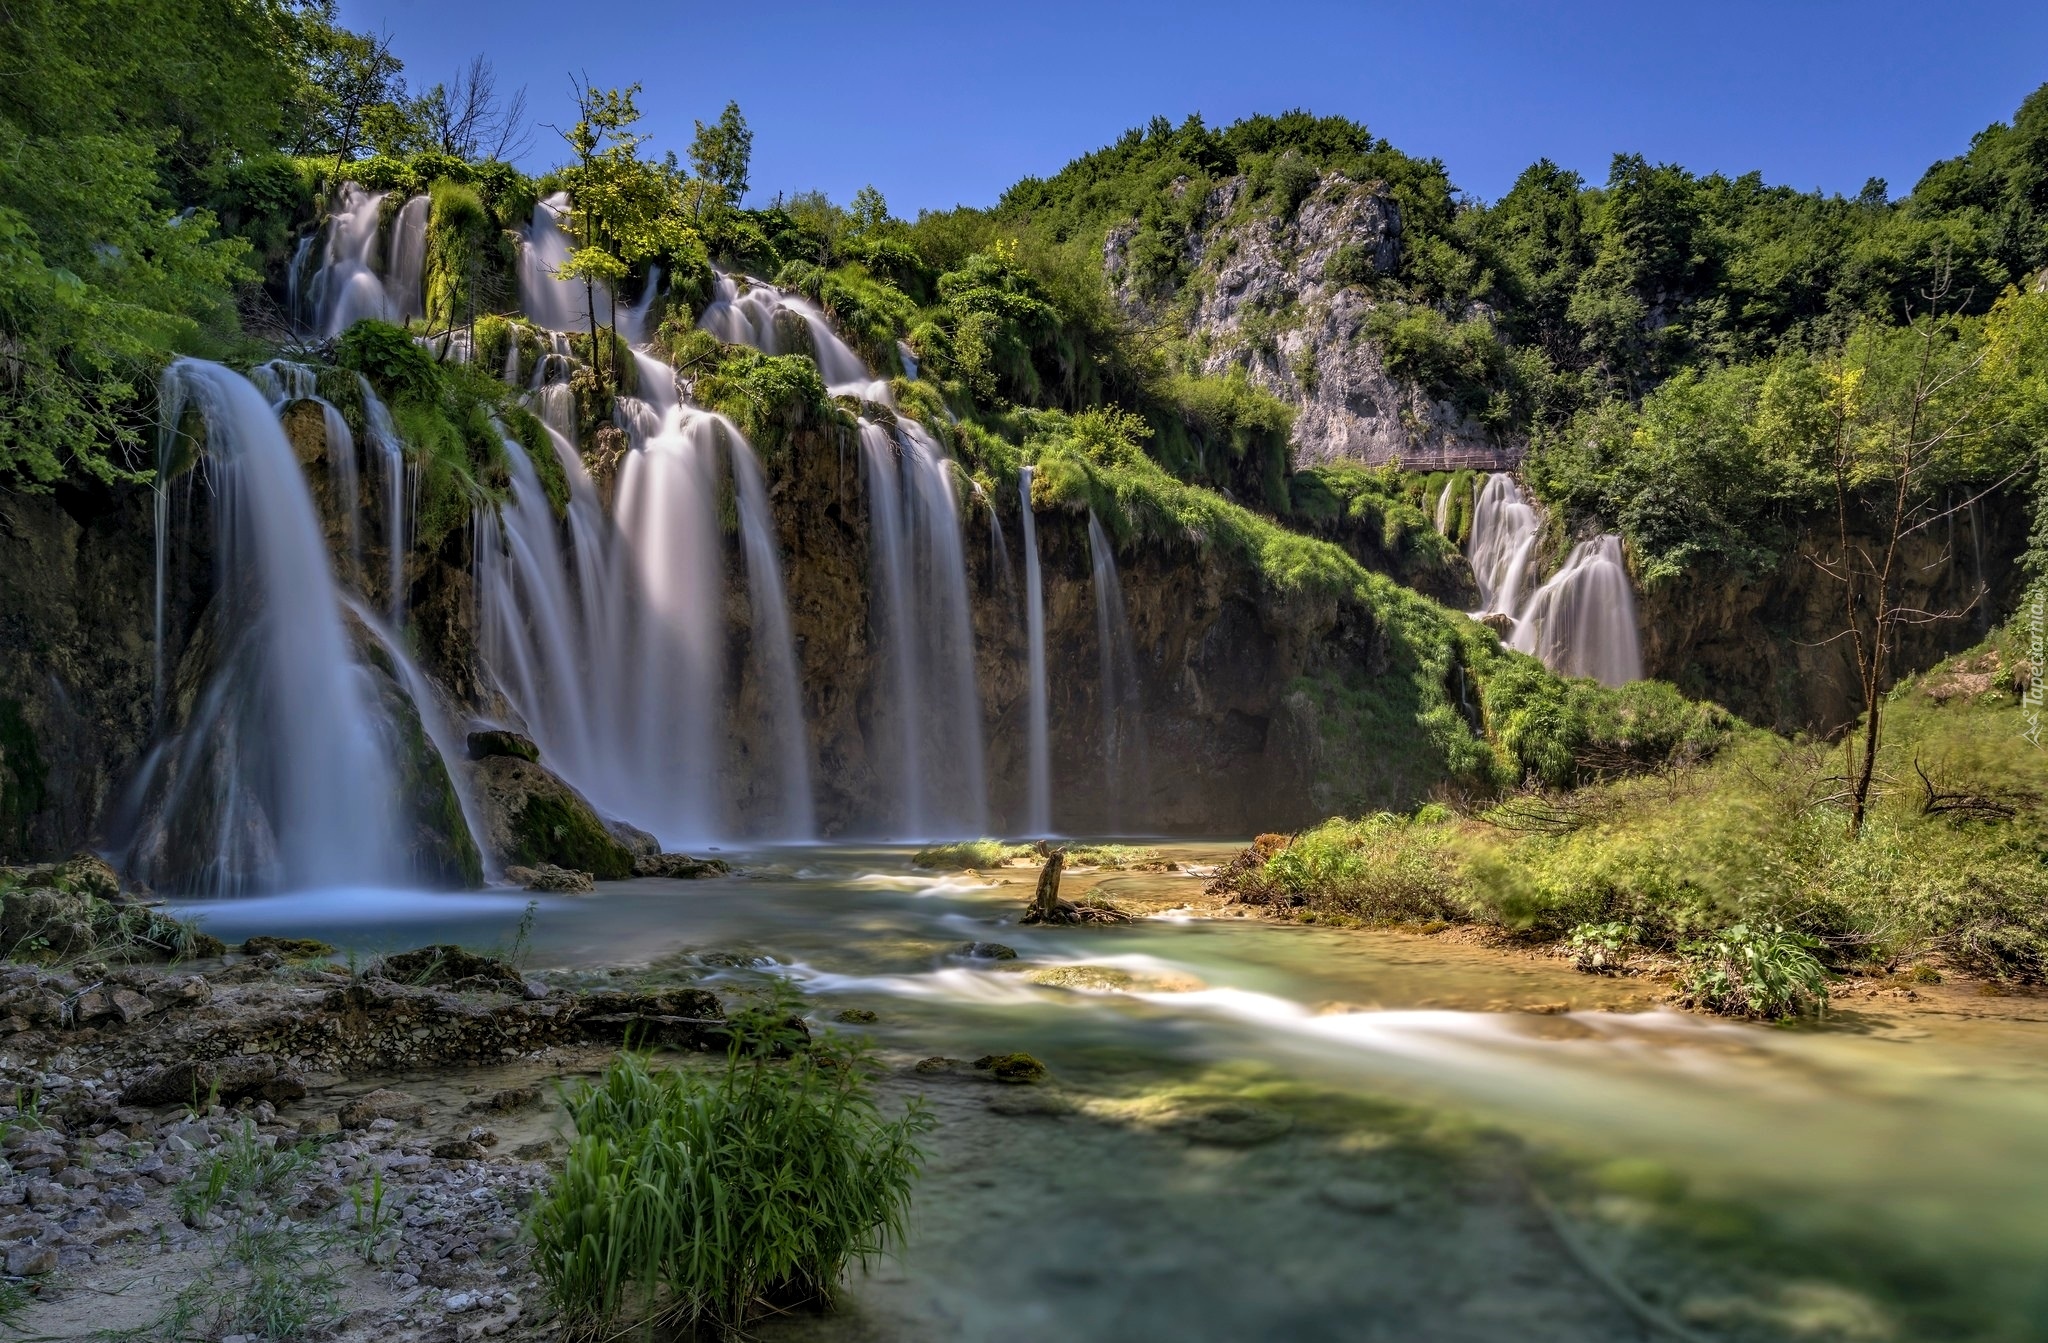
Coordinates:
(1038, 798)
(1124, 766)
(1582, 620)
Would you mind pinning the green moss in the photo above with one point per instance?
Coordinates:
(562, 832)
(770, 398)
(461, 254)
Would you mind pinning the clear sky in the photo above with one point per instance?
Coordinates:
(945, 104)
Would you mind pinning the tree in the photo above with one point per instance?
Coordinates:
(1907, 414)
(624, 210)
(347, 75)
(722, 154)
(468, 120)
(870, 212)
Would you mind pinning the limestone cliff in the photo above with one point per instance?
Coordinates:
(1285, 299)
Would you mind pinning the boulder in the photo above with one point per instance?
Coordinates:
(192, 1081)
(367, 1109)
(446, 963)
(532, 817)
(642, 844)
(60, 921)
(548, 877)
(680, 866)
(497, 741)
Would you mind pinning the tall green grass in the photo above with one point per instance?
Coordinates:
(699, 1200)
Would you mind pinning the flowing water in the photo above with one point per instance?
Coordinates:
(1288, 1132)
(1038, 807)
(1124, 765)
(283, 760)
(1582, 620)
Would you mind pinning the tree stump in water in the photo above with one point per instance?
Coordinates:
(1047, 907)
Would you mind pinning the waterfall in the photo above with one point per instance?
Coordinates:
(1583, 621)
(1504, 532)
(752, 318)
(1038, 807)
(404, 285)
(1123, 746)
(280, 773)
(1443, 508)
(282, 382)
(398, 497)
(928, 633)
(555, 303)
(347, 288)
(613, 651)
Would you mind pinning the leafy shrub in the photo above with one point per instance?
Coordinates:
(1383, 868)
(975, 853)
(703, 1200)
(1601, 948)
(1767, 973)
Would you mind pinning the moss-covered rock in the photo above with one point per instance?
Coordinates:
(532, 817)
(497, 741)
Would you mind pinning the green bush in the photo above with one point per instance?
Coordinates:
(1754, 972)
(703, 1201)
(1381, 869)
(976, 853)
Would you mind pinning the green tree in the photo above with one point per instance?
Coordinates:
(722, 154)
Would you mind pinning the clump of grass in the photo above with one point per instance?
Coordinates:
(975, 853)
(238, 1173)
(1767, 973)
(271, 1280)
(1381, 869)
(700, 1200)
(1118, 857)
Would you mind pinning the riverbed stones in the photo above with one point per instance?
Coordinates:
(367, 1109)
(249, 1076)
(291, 948)
(1011, 1068)
(987, 951)
(1366, 1197)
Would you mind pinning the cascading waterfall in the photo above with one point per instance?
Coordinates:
(755, 318)
(928, 631)
(564, 305)
(1583, 621)
(1580, 622)
(1443, 508)
(1123, 744)
(1038, 801)
(920, 585)
(405, 282)
(1504, 532)
(350, 284)
(283, 382)
(619, 672)
(282, 767)
(399, 500)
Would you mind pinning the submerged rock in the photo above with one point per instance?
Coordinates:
(987, 951)
(291, 948)
(1014, 1068)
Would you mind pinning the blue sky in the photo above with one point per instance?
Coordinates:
(940, 105)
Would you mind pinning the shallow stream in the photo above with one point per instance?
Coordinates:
(1256, 1130)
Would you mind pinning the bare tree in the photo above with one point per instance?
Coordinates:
(1895, 442)
(470, 121)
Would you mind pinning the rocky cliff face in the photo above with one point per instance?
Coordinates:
(1281, 299)
(75, 662)
(1767, 649)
